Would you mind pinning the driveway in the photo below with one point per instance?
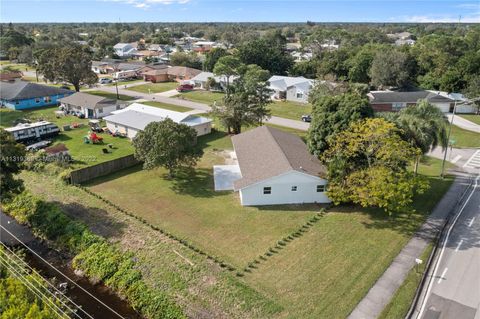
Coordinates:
(463, 123)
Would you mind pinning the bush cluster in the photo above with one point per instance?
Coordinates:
(98, 259)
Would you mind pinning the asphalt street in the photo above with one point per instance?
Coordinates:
(454, 286)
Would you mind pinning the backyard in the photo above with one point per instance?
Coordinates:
(199, 96)
(152, 88)
(83, 154)
(290, 110)
(322, 274)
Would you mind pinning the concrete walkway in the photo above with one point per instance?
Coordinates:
(383, 290)
(457, 156)
(463, 123)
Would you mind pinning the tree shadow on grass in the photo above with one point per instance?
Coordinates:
(194, 182)
(97, 220)
(113, 176)
(206, 140)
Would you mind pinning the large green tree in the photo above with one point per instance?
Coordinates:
(212, 57)
(423, 126)
(167, 144)
(391, 68)
(269, 54)
(368, 165)
(228, 66)
(247, 102)
(333, 114)
(190, 60)
(11, 162)
(72, 64)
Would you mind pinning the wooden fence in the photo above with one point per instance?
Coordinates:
(86, 174)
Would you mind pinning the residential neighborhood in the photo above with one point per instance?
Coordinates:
(197, 159)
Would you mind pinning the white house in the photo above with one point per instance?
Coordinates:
(289, 88)
(200, 80)
(392, 101)
(124, 49)
(91, 106)
(134, 118)
(276, 168)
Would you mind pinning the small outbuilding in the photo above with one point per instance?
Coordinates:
(276, 168)
(91, 106)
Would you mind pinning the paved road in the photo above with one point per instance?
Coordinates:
(299, 125)
(454, 288)
(463, 123)
(384, 289)
(466, 158)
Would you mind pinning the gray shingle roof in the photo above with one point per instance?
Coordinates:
(406, 97)
(87, 100)
(266, 152)
(21, 90)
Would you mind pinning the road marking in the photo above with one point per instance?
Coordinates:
(459, 244)
(473, 161)
(442, 276)
(471, 222)
(429, 287)
(456, 159)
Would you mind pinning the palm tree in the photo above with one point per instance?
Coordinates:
(423, 125)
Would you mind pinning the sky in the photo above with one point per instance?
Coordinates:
(239, 11)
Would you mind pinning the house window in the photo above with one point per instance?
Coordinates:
(294, 188)
(397, 106)
(267, 190)
(320, 188)
(37, 100)
(100, 110)
(299, 95)
(47, 99)
(17, 102)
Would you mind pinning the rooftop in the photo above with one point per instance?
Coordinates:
(21, 90)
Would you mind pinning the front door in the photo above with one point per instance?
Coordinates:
(90, 113)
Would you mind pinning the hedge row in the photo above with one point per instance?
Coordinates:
(182, 241)
(281, 244)
(97, 258)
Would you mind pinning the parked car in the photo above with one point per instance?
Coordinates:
(185, 88)
(306, 118)
(105, 81)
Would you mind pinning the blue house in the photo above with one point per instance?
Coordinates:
(21, 95)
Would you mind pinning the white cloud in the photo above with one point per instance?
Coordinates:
(469, 5)
(472, 18)
(144, 4)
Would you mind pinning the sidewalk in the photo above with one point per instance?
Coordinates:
(383, 290)
(463, 123)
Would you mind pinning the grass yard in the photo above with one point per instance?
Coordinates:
(206, 97)
(122, 97)
(289, 110)
(154, 87)
(471, 117)
(83, 154)
(464, 138)
(171, 107)
(322, 274)
(17, 66)
(401, 301)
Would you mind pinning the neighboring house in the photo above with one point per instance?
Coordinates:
(276, 168)
(203, 46)
(124, 50)
(393, 101)
(463, 104)
(288, 88)
(174, 73)
(150, 67)
(21, 95)
(201, 79)
(91, 106)
(100, 67)
(136, 117)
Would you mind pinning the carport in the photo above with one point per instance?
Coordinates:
(225, 175)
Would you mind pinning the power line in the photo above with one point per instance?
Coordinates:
(46, 300)
(61, 273)
(25, 265)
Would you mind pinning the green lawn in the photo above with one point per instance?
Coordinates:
(17, 66)
(83, 154)
(112, 95)
(471, 117)
(290, 110)
(323, 274)
(206, 97)
(168, 106)
(401, 301)
(154, 87)
(464, 138)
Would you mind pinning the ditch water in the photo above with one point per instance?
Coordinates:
(90, 305)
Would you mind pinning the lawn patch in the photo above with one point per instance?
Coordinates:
(113, 96)
(206, 97)
(464, 138)
(152, 88)
(171, 107)
(471, 117)
(289, 109)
